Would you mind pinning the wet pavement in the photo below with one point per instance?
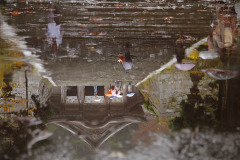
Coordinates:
(119, 80)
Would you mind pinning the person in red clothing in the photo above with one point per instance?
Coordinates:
(126, 59)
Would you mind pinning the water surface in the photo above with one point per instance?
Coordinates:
(119, 80)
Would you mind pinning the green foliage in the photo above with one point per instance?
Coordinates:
(45, 113)
(15, 135)
(207, 63)
(149, 108)
(192, 115)
(176, 123)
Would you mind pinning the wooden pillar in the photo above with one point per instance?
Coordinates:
(125, 89)
(105, 92)
(63, 94)
(80, 94)
(137, 92)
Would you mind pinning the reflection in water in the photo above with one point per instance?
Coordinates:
(223, 37)
(179, 50)
(19, 135)
(194, 98)
(222, 41)
(206, 97)
(180, 54)
(75, 109)
(126, 60)
(54, 34)
(14, 87)
(224, 33)
(87, 98)
(212, 52)
(6, 90)
(184, 67)
(221, 74)
(198, 109)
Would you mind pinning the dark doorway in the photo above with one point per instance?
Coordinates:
(72, 91)
(89, 90)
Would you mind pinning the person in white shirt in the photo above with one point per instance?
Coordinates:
(54, 34)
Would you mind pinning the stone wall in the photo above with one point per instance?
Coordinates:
(167, 90)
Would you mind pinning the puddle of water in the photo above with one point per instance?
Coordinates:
(119, 80)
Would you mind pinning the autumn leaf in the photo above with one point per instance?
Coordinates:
(96, 19)
(16, 12)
